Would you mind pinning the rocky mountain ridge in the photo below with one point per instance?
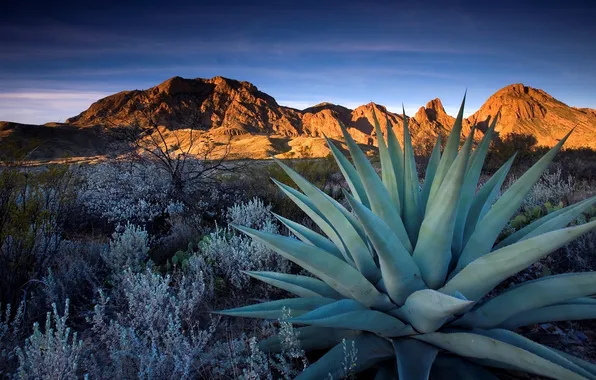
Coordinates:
(227, 108)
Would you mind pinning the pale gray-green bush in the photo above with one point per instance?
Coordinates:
(54, 353)
(230, 252)
(128, 248)
(11, 329)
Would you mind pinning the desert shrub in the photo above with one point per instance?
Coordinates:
(551, 188)
(74, 272)
(34, 205)
(578, 255)
(578, 162)
(504, 147)
(241, 358)
(54, 353)
(11, 329)
(254, 213)
(142, 193)
(230, 252)
(128, 248)
(155, 332)
(126, 191)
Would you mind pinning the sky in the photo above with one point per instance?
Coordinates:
(58, 58)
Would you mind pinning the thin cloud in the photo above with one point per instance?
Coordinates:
(51, 95)
(44, 106)
(73, 42)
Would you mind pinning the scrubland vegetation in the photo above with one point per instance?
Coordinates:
(112, 270)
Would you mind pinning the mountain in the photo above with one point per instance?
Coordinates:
(258, 126)
(229, 106)
(532, 111)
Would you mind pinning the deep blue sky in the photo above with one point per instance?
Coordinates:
(56, 59)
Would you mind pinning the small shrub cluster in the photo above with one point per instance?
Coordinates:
(551, 188)
(123, 192)
(128, 248)
(54, 353)
(230, 252)
(154, 329)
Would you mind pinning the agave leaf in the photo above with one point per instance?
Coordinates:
(469, 188)
(302, 286)
(484, 199)
(378, 195)
(554, 313)
(549, 222)
(345, 279)
(455, 368)
(373, 321)
(526, 344)
(387, 370)
(335, 308)
(397, 158)
(320, 220)
(483, 274)
(448, 157)
(309, 236)
(414, 358)
(273, 309)
(349, 216)
(387, 170)
(431, 170)
(433, 249)
(483, 347)
(310, 338)
(350, 236)
(350, 174)
(484, 236)
(412, 213)
(427, 310)
(479, 154)
(531, 295)
(581, 301)
(590, 367)
(401, 275)
(371, 350)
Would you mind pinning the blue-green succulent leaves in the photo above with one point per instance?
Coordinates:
(401, 277)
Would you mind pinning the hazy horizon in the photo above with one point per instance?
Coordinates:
(58, 59)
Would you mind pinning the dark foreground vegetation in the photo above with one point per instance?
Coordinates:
(112, 270)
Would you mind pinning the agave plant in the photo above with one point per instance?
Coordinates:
(404, 275)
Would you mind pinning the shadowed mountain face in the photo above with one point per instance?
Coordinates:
(222, 107)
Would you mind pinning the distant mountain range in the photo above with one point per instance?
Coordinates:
(225, 108)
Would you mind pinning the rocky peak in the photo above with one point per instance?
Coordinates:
(176, 85)
(327, 106)
(432, 112)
